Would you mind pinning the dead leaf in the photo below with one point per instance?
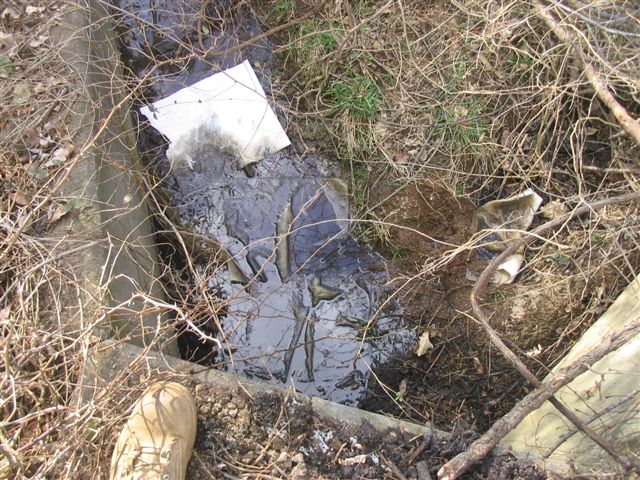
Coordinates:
(478, 364)
(37, 41)
(19, 198)
(30, 10)
(402, 157)
(22, 93)
(7, 41)
(59, 156)
(59, 212)
(34, 171)
(31, 138)
(402, 389)
(10, 13)
(46, 142)
(424, 344)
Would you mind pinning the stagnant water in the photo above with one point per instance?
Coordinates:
(307, 305)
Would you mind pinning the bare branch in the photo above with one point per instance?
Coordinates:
(471, 457)
(481, 447)
(626, 121)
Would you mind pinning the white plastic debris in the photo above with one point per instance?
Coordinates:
(507, 270)
(228, 110)
(351, 461)
(424, 344)
(504, 221)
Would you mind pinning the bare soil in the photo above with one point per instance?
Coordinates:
(540, 315)
(462, 377)
(279, 436)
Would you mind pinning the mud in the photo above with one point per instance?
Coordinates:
(305, 304)
(308, 312)
(462, 378)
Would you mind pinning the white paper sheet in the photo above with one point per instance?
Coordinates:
(229, 105)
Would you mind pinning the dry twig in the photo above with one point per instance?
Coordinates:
(458, 465)
(630, 124)
(481, 447)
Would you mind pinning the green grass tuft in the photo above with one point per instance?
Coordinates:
(357, 96)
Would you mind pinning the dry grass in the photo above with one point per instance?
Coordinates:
(484, 98)
(479, 97)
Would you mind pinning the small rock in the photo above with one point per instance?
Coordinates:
(299, 472)
(244, 417)
(284, 461)
(200, 390)
(279, 442)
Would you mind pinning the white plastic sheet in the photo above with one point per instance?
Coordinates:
(228, 109)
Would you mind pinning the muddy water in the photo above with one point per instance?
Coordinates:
(304, 299)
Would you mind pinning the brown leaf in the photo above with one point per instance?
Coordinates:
(31, 138)
(402, 389)
(59, 156)
(478, 364)
(60, 211)
(19, 198)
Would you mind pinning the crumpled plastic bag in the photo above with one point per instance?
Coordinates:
(505, 220)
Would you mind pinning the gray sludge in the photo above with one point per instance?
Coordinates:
(301, 291)
(302, 316)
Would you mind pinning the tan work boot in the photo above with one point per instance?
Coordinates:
(157, 440)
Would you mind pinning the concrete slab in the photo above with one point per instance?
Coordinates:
(110, 358)
(607, 397)
(113, 277)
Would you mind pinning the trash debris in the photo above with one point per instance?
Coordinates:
(505, 220)
(228, 110)
(424, 344)
(355, 460)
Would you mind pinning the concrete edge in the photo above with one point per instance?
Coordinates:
(109, 358)
(115, 275)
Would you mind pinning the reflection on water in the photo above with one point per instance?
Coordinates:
(304, 315)
(303, 296)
